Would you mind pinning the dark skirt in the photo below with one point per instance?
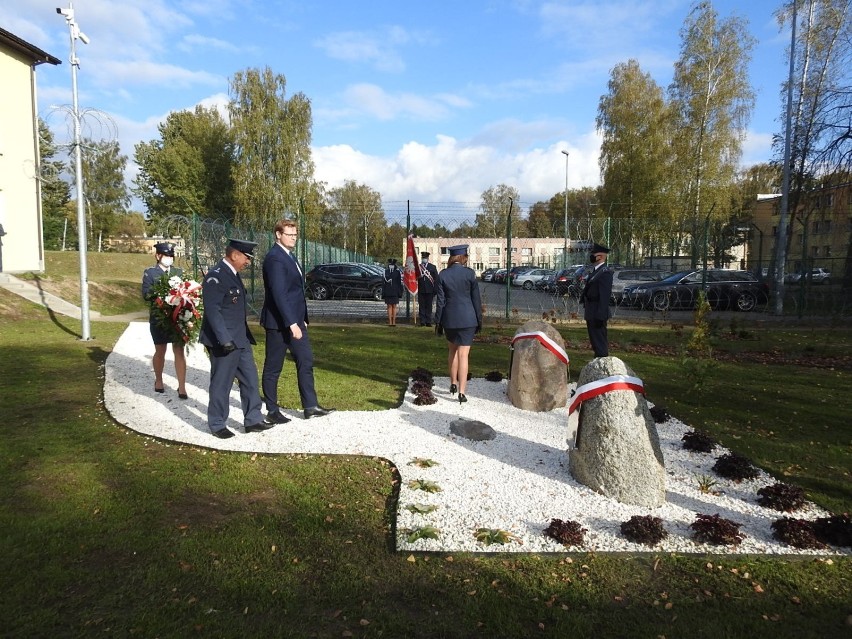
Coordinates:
(391, 301)
(160, 335)
(460, 336)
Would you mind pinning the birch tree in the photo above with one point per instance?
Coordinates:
(272, 134)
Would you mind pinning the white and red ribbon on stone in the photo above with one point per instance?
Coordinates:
(605, 385)
(545, 341)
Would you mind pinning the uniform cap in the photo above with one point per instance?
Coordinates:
(243, 246)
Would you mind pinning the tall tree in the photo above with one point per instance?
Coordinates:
(821, 118)
(362, 218)
(494, 211)
(633, 121)
(272, 134)
(106, 193)
(711, 101)
(189, 168)
(55, 191)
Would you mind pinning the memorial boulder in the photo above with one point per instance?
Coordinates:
(538, 379)
(616, 449)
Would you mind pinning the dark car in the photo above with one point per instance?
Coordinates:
(344, 280)
(488, 274)
(499, 276)
(568, 281)
(726, 289)
(623, 277)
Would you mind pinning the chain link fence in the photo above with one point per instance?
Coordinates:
(500, 241)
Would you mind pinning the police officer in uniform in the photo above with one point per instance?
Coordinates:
(426, 286)
(226, 335)
(595, 298)
(164, 268)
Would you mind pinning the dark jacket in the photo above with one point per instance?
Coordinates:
(225, 309)
(284, 291)
(596, 294)
(392, 285)
(459, 304)
(427, 283)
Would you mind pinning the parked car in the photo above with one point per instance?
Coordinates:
(816, 276)
(627, 276)
(569, 281)
(529, 279)
(726, 289)
(488, 274)
(344, 280)
(499, 276)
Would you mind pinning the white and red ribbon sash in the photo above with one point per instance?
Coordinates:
(545, 341)
(605, 385)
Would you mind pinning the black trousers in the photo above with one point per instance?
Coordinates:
(424, 301)
(598, 337)
(277, 345)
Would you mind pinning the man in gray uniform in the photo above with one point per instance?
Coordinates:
(225, 333)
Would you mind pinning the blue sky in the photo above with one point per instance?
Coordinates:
(428, 101)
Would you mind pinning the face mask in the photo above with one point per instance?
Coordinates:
(592, 259)
(424, 262)
(167, 261)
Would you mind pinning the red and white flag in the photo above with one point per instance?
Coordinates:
(412, 269)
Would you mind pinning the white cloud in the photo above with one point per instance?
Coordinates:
(453, 171)
(376, 48)
(193, 41)
(144, 72)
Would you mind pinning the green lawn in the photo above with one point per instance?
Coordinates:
(108, 533)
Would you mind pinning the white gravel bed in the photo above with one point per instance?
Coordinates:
(517, 482)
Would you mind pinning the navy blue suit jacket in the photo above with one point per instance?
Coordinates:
(459, 304)
(225, 309)
(284, 291)
(596, 295)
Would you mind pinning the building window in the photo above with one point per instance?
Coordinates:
(826, 226)
(814, 251)
(477, 266)
(828, 200)
(494, 251)
(526, 251)
(826, 251)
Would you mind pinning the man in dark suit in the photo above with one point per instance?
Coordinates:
(595, 298)
(285, 318)
(225, 333)
(426, 286)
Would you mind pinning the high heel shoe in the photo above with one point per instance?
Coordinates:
(462, 398)
(453, 389)
(159, 390)
(183, 396)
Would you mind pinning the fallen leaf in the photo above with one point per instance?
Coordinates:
(364, 622)
(796, 601)
(757, 587)
(668, 605)
(411, 559)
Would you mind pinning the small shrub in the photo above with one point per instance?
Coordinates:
(706, 484)
(645, 529)
(780, 496)
(713, 529)
(735, 467)
(798, 533)
(418, 387)
(422, 375)
(494, 376)
(421, 509)
(835, 530)
(698, 441)
(426, 532)
(490, 536)
(660, 414)
(425, 399)
(424, 485)
(568, 533)
(423, 462)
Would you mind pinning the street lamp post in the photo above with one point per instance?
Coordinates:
(76, 34)
(565, 224)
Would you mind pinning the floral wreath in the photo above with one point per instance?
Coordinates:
(177, 305)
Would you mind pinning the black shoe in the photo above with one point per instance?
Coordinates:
(183, 396)
(462, 398)
(453, 389)
(317, 411)
(223, 434)
(159, 390)
(258, 427)
(276, 418)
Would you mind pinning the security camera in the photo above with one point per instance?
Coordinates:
(68, 13)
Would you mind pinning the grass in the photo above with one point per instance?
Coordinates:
(105, 532)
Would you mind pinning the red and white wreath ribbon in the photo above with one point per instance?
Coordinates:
(605, 385)
(545, 341)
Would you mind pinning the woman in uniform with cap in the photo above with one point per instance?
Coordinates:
(163, 268)
(458, 314)
(392, 290)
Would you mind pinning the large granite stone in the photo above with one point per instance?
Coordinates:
(616, 449)
(472, 429)
(538, 380)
